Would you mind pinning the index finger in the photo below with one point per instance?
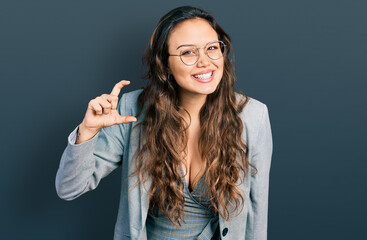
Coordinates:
(117, 88)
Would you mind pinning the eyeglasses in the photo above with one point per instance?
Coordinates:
(190, 55)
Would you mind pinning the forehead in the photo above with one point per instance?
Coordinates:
(194, 31)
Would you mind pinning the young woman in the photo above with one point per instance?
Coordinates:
(195, 154)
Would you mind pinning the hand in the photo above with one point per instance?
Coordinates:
(102, 113)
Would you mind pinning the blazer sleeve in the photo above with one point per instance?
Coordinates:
(259, 190)
(82, 166)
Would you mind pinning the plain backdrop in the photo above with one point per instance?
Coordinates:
(305, 59)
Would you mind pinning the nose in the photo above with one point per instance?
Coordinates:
(203, 60)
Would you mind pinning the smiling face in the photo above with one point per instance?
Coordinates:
(203, 77)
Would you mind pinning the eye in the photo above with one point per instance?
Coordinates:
(188, 52)
(213, 47)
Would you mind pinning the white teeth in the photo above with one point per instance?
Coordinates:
(204, 76)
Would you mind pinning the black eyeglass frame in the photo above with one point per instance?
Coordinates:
(222, 46)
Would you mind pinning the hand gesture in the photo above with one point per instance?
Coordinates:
(102, 113)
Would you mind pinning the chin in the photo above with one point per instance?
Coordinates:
(198, 88)
(206, 90)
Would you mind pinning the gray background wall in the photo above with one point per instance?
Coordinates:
(305, 59)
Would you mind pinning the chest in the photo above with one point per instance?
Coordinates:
(195, 165)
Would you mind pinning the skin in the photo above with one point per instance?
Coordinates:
(197, 32)
(101, 111)
(193, 93)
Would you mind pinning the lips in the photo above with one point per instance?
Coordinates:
(204, 76)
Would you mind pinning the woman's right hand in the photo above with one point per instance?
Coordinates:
(102, 113)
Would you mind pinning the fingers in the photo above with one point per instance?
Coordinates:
(117, 88)
(106, 105)
(107, 102)
(111, 99)
(101, 105)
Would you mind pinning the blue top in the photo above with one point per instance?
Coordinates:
(83, 166)
(198, 215)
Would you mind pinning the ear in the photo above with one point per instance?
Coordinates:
(169, 71)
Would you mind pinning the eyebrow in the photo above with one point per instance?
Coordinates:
(193, 45)
(186, 45)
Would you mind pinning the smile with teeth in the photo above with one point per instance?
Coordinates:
(203, 76)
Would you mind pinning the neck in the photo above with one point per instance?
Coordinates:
(192, 103)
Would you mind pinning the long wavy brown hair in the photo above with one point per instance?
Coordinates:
(165, 130)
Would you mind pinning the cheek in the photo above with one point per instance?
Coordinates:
(221, 69)
(222, 64)
(180, 71)
(175, 67)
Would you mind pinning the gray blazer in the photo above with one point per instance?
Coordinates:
(82, 167)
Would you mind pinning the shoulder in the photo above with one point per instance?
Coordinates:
(132, 97)
(254, 109)
(128, 103)
(253, 115)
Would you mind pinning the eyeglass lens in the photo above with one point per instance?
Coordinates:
(189, 55)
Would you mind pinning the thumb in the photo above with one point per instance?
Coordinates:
(125, 119)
